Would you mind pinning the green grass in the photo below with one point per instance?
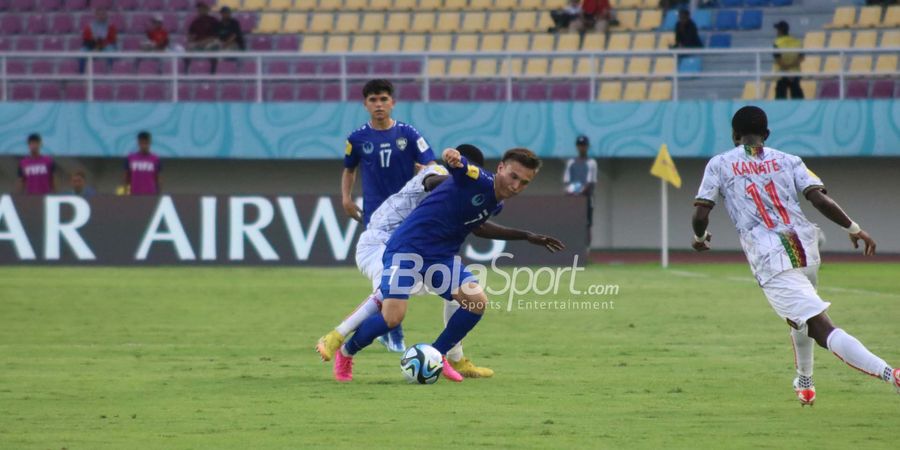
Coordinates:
(173, 358)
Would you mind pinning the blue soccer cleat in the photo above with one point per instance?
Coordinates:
(393, 340)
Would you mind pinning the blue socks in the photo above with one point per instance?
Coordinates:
(370, 329)
(460, 323)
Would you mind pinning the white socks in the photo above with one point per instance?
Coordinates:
(369, 306)
(803, 352)
(455, 353)
(856, 355)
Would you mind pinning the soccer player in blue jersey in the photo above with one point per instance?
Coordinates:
(388, 151)
(427, 243)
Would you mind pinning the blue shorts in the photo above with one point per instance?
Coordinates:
(444, 279)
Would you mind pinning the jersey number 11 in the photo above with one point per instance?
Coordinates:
(773, 194)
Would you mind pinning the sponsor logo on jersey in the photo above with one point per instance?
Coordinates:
(478, 200)
(368, 147)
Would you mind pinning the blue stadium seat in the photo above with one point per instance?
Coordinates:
(781, 3)
(670, 20)
(761, 3)
(690, 64)
(727, 19)
(720, 40)
(751, 19)
(731, 3)
(703, 19)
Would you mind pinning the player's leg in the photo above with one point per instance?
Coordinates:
(472, 301)
(804, 386)
(849, 350)
(455, 355)
(329, 343)
(392, 312)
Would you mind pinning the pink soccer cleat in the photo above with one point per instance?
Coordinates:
(343, 367)
(897, 379)
(449, 372)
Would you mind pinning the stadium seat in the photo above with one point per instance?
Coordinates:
(726, 19)
(536, 66)
(459, 92)
(660, 91)
(610, 91)
(280, 5)
(890, 38)
(12, 24)
(485, 67)
(639, 65)
(506, 4)
(751, 19)
(670, 20)
(567, 43)
(869, 16)
(499, 22)
(440, 43)
(437, 67)
(455, 4)
(460, 67)
(346, 23)
(372, 23)
(77, 92)
(666, 41)
(613, 65)
(595, 42)
(338, 44)
(619, 42)
(861, 64)
(702, 18)
(128, 92)
(414, 43)
(49, 92)
(731, 3)
(586, 66)
(542, 42)
(305, 5)
(321, 23)
(423, 22)
(644, 41)
(844, 17)
(635, 91)
(779, 3)
(544, 22)
(883, 89)
(627, 20)
(857, 89)
(530, 5)
(886, 63)
(561, 92)
(665, 65)
(690, 64)
(650, 20)
(562, 66)
(839, 39)
(383, 67)
(312, 44)
(448, 22)
(330, 5)
(389, 43)
(650, 4)
(750, 91)
(363, 44)
(628, 4)
(466, 43)
(254, 5)
(891, 17)
(833, 64)
(720, 40)
(411, 92)
(474, 22)
(811, 64)
(865, 39)
(511, 66)
(355, 5)
(814, 39)
(293, 23)
(398, 23)
(524, 21)
(487, 92)
(809, 89)
(517, 42)
(423, 4)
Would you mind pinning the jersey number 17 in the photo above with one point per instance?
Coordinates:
(385, 156)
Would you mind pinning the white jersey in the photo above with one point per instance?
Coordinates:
(397, 207)
(762, 188)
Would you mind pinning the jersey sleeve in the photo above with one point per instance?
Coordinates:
(470, 173)
(424, 153)
(592, 171)
(566, 177)
(351, 155)
(710, 187)
(805, 179)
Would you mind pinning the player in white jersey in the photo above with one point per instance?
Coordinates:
(761, 187)
(371, 245)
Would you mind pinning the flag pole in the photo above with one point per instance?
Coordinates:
(664, 256)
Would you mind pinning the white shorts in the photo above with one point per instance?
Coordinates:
(793, 296)
(369, 252)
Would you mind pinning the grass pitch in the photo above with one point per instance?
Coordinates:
(198, 358)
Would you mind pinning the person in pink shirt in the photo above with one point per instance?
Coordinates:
(36, 170)
(142, 168)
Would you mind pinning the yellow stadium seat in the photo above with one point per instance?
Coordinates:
(665, 65)
(441, 43)
(844, 16)
(537, 67)
(542, 42)
(406, 5)
(389, 43)
(338, 44)
(594, 42)
(839, 39)
(809, 89)
(627, 20)
(355, 5)
(321, 23)
(281, 5)
(861, 64)
(865, 39)
(347, 23)
(639, 65)
(372, 23)
(650, 4)
(891, 17)
(886, 64)
(460, 67)
(481, 5)
(814, 39)
(380, 5)
(474, 22)
(833, 64)
(524, 21)
(312, 43)
(562, 66)
(544, 22)
(485, 67)
(269, 23)
(506, 4)
(869, 16)
(629, 4)
(644, 41)
(437, 67)
(398, 22)
(423, 22)
(511, 66)
(660, 91)
(890, 38)
(619, 42)
(448, 22)
(610, 91)
(750, 90)
(650, 20)
(363, 43)
(233, 4)
(613, 66)
(467, 43)
(567, 43)
(586, 66)
(330, 5)
(550, 5)
(666, 41)
(294, 23)
(530, 5)
(414, 43)
(492, 42)
(254, 5)
(499, 22)
(455, 5)
(811, 64)
(517, 43)
(305, 5)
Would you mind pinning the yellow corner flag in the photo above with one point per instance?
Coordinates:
(664, 167)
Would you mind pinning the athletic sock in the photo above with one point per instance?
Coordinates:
(370, 329)
(457, 327)
(856, 355)
(803, 353)
(369, 306)
(455, 353)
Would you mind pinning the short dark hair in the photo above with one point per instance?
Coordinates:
(471, 153)
(524, 157)
(750, 120)
(378, 86)
(34, 137)
(144, 136)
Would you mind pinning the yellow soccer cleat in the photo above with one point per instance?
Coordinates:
(329, 344)
(467, 369)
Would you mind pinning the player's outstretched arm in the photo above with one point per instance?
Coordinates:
(491, 230)
(830, 209)
(348, 178)
(700, 223)
(452, 157)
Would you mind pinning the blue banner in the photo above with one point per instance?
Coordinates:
(318, 130)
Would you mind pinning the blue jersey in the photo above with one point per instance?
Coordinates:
(387, 158)
(436, 229)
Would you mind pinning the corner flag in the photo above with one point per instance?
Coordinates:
(664, 167)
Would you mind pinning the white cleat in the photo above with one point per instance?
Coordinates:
(807, 396)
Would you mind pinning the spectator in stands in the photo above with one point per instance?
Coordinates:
(142, 168)
(594, 13)
(580, 177)
(100, 35)
(230, 34)
(157, 36)
(203, 32)
(686, 35)
(36, 170)
(564, 17)
(787, 62)
(78, 183)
